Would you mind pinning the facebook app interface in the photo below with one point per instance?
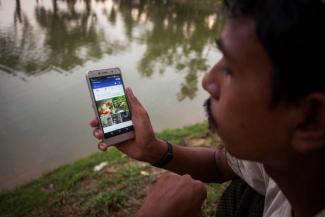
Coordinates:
(112, 107)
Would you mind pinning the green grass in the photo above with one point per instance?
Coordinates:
(117, 190)
(178, 136)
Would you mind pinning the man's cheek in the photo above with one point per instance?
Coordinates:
(227, 123)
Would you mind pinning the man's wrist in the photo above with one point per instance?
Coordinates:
(157, 150)
(166, 157)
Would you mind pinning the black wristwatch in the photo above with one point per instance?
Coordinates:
(166, 158)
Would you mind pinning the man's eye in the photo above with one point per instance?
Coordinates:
(226, 71)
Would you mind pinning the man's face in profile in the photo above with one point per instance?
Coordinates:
(240, 96)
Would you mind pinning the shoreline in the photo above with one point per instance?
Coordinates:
(116, 188)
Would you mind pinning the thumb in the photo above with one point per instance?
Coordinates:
(134, 102)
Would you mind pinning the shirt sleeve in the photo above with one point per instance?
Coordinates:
(252, 173)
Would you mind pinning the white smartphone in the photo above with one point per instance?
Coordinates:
(110, 104)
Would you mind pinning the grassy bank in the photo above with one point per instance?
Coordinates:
(117, 190)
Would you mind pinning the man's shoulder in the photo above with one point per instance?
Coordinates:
(321, 214)
(253, 173)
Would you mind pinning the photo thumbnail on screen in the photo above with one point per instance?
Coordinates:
(113, 111)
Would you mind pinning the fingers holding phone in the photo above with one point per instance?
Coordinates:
(134, 136)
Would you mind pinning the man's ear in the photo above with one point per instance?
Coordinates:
(309, 134)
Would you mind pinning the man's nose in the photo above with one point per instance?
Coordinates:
(211, 85)
(205, 81)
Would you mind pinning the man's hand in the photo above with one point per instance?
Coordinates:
(145, 146)
(174, 196)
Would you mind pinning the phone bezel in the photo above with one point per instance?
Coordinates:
(104, 72)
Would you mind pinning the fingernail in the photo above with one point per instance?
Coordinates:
(102, 146)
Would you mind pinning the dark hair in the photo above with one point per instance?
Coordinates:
(293, 34)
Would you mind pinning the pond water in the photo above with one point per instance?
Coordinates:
(162, 47)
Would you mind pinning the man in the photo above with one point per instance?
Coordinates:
(267, 100)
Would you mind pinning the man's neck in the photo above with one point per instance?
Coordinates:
(302, 181)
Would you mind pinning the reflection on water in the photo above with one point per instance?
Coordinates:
(66, 34)
(163, 48)
(62, 36)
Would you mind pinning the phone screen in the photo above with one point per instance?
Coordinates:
(111, 104)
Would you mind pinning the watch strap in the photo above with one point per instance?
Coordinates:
(166, 158)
